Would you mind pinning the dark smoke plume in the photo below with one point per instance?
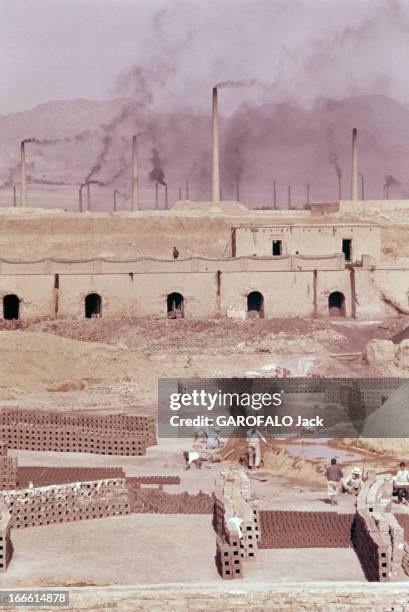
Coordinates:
(157, 174)
(333, 161)
(392, 181)
(245, 83)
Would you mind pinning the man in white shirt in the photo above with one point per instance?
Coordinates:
(254, 447)
(353, 483)
(402, 478)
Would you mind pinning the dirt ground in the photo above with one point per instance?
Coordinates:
(65, 355)
(145, 549)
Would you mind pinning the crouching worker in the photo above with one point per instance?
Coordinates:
(352, 484)
(254, 447)
(333, 475)
(192, 457)
(401, 483)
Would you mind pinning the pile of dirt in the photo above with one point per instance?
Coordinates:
(278, 461)
(39, 362)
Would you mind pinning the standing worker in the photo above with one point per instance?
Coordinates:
(254, 447)
(175, 253)
(333, 474)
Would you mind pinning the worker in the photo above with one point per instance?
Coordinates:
(353, 483)
(402, 478)
(333, 474)
(254, 447)
(213, 440)
(235, 522)
(192, 457)
(175, 253)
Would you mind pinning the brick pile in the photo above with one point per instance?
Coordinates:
(152, 480)
(43, 476)
(228, 558)
(403, 520)
(373, 547)
(287, 529)
(8, 469)
(235, 543)
(6, 546)
(148, 500)
(66, 503)
(106, 435)
(405, 558)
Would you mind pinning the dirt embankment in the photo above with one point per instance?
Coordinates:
(40, 362)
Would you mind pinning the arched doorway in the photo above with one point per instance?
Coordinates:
(255, 304)
(93, 303)
(11, 307)
(336, 304)
(175, 305)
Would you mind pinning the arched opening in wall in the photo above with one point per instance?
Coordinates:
(11, 307)
(255, 305)
(336, 304)
(175, 306)
(93, 303)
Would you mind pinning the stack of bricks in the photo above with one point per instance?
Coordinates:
(8, 469)
(372, 543)
(106, 435)
(405, 558)
(290, 529)
(152, 480)
(235, 543)
(66, 503)
(397, 536)
(148, 500)
(6, 547)
(42, 476)
(228, 557)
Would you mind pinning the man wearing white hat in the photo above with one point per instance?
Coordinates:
(353, 482)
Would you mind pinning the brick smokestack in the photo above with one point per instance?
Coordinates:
(23, 179)
(88, 197)
(215, 148)
(135, 179)
(354, 177)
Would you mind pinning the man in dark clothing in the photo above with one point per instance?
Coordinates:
(175, 253)
(333, 475)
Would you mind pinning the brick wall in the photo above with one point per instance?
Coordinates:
(67, 503)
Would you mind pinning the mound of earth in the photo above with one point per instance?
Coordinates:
(40, 362)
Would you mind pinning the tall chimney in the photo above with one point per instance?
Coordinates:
(156, 195)
(80, 207)
(215, 148)
(135, 179)
(115, 204)
(166, 196)
(361, 176)
(14, 196)
(289, 197)
(88, 197)
(354, 185)
(23, 179)
(274, 195)
(187, 189)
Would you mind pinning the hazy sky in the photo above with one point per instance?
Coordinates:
(177, 50)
